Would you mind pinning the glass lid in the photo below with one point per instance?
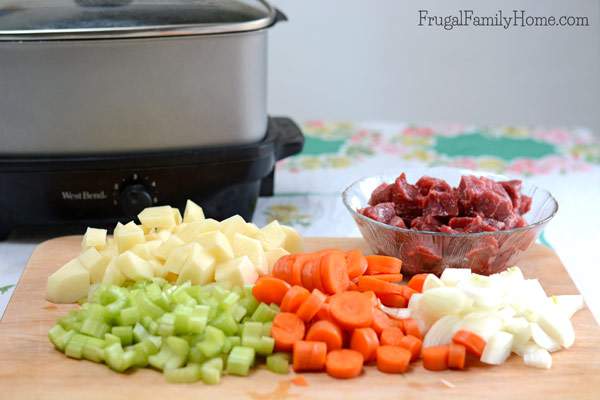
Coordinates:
(95, 19)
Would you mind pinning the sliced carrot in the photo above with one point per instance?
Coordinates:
(283, 267)
(299, 380)
(297, 267)
(398, 323)
(389, 277)
(344, 364)
(383, 265)
(287, 329)
(412, 328)
(413, 345)
(407, 292)
(324, 313)
(309, 356)
(365, 341)
(392, 359)
(435, 358)
(352, 286)
(417, 281)
(351, 310)
(369, 283)
(293, 299)
(268, 289)
(472, 341)
(357, 263)
(380, 321)
(334, 272)
(308, 272)
(327, 332)
(392, 300)
(317, 281)
(372, 297)
(391, 336)
(456, 356)
(311, 306)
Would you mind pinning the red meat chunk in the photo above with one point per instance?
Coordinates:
(513, 189)
(485, 197)
(397, 222)
(382, 212)
(381, 194)
(441, 204)
(525, 205)
(427, 223)
(406, 197)
(427, 184)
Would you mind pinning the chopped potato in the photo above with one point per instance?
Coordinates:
(95, 263)
(272, 236)
(193, 229)
(94, 238)
(199, 268)
(246, 246)
(163, 251)
(274, 255)
(161, 217)
(134, 267)
(236, 272)
(193, 212)
(69, 283)
(217, 244)
(128, 236)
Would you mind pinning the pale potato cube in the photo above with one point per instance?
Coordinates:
(177, 215)
(193, 212)
(180, 228)
(293, 241)
(94, 237)
(199, 268)
(193, 229)
(164, 234)
(69, 283)
(246, 246)
(217, 244)
(236, 224)
(95, 263)
(158, 268)
(134, 267)
(117, 228)
(162, 252)
(273, 255)
(146, 250)
(236, 272)
(177, 258)
(128, 236)
(272, 236)
(161, 217)
(112, 274)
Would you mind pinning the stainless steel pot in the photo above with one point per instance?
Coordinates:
(97, 76)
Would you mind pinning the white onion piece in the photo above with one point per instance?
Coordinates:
(569, 304)
(537, 357)
(432, 282)
(441, 301)
(520, 329)
(452, 276)
(497, 348)
(442, 331)
(557, 326)
(542, 339)
(398, 313)
(481, 324)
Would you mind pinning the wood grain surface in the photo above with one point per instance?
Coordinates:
(30, 368)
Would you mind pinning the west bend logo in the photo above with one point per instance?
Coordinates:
(85, 195)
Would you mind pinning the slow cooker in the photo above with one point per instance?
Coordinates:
(110, 106)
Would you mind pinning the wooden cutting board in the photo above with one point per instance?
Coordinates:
(31, 369)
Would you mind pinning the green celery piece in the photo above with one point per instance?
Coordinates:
(155, 340)
(275, 308)
(263, 313)
(55, 334)
(250, 304)
(97, 311)
(139, 357)
(230, 300)
(196, 355)
(182, 324)
(247, 291)
(182, 297)
(173, 354)
(150, 325)
(201, 311)
(216, 363)
(111, 339)
(226, 323)
(265, 346)
(125, 333)
(219, 292)
(278, 363)
(253, 329)
(237, 290)
(147, 307)
(178, 345)
(266, 331)
(94, 327)
(70, 322)
(238, 312)
(209, 375)
(74, 348)
(116, 358)
(139, 332)
(166, 325)
(129, 316)
(226, 348)
(149, 345)
(156, 295)
(93, 350)
(197, 324)
(188, 374)
(240, 360)
(235, 341)
(213, 341)
(114, 309)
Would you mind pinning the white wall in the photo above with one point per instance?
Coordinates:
(368, 60)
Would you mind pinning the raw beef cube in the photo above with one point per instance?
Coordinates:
(406, 197)
(381, 194)
(462, 222)
(484, 197)
(423, 259)
(513, 188)
(441, 204)
(491, 224)
(480, 257)
(525, 205)
(447, 229)
(397, 222)
(427, 223)
(382, 212)
(427, 184)
(514, 221)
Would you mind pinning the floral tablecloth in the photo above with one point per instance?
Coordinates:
(308, 186)
(564, 161)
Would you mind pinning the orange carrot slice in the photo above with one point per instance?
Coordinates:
(413, 345)
(309, 356)
(472, 341)
(268, 289)
(283, 267)
(457, 354)
(308, 272)
(393, 359)
(286, 330)
(417, 281)
(412, 328)
(435, 358)
(293, 299)
(357, 263)
(383, 265)
(327, 332)
(392, 300)
(380, 321)
(344, 364)
(365, 341)
(311, 306)
(351, 310)
(389, 277)
(391, 336)
(334, 272)
(369, 283)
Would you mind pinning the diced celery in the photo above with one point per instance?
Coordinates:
(279, 363)
(230, 300)
(173, 354)
(74, 348)
(252, 329)
(265, 346)
(216, 363)
(226, 346)
(166, 325)
(155, 340)
(117, 359)
(156, 295)
(70, 322)
(235, 341)
(188, 374)
(150, 325)
(197, 324)
(250, 304)
(182, 297)
(139, 356)
(111, 339)
(182, 324)
(124, 333)
(226, 323)
(93, 349)
(238, 312)
(129, 316)
(266, 331)
(147, 307)
(196, 355)
(94, 327)
(113, 309)
(263, 313)
(213, 341)
(56, 334)
(96, 311)
(219, 292)
(240, 360)
(139, 332)
(209, 375)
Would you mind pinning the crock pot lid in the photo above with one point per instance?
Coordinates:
(96, 19)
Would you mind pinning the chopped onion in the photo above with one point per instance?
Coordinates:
(442, 331)
(432, 282)
(441, 301)
(398, 313)
(557, 326)
(537, 357)
(497, 348)
(483, 325)
(452, 276)
(569, 304)
(542, 339)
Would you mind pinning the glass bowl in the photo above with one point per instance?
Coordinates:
(423, 251)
